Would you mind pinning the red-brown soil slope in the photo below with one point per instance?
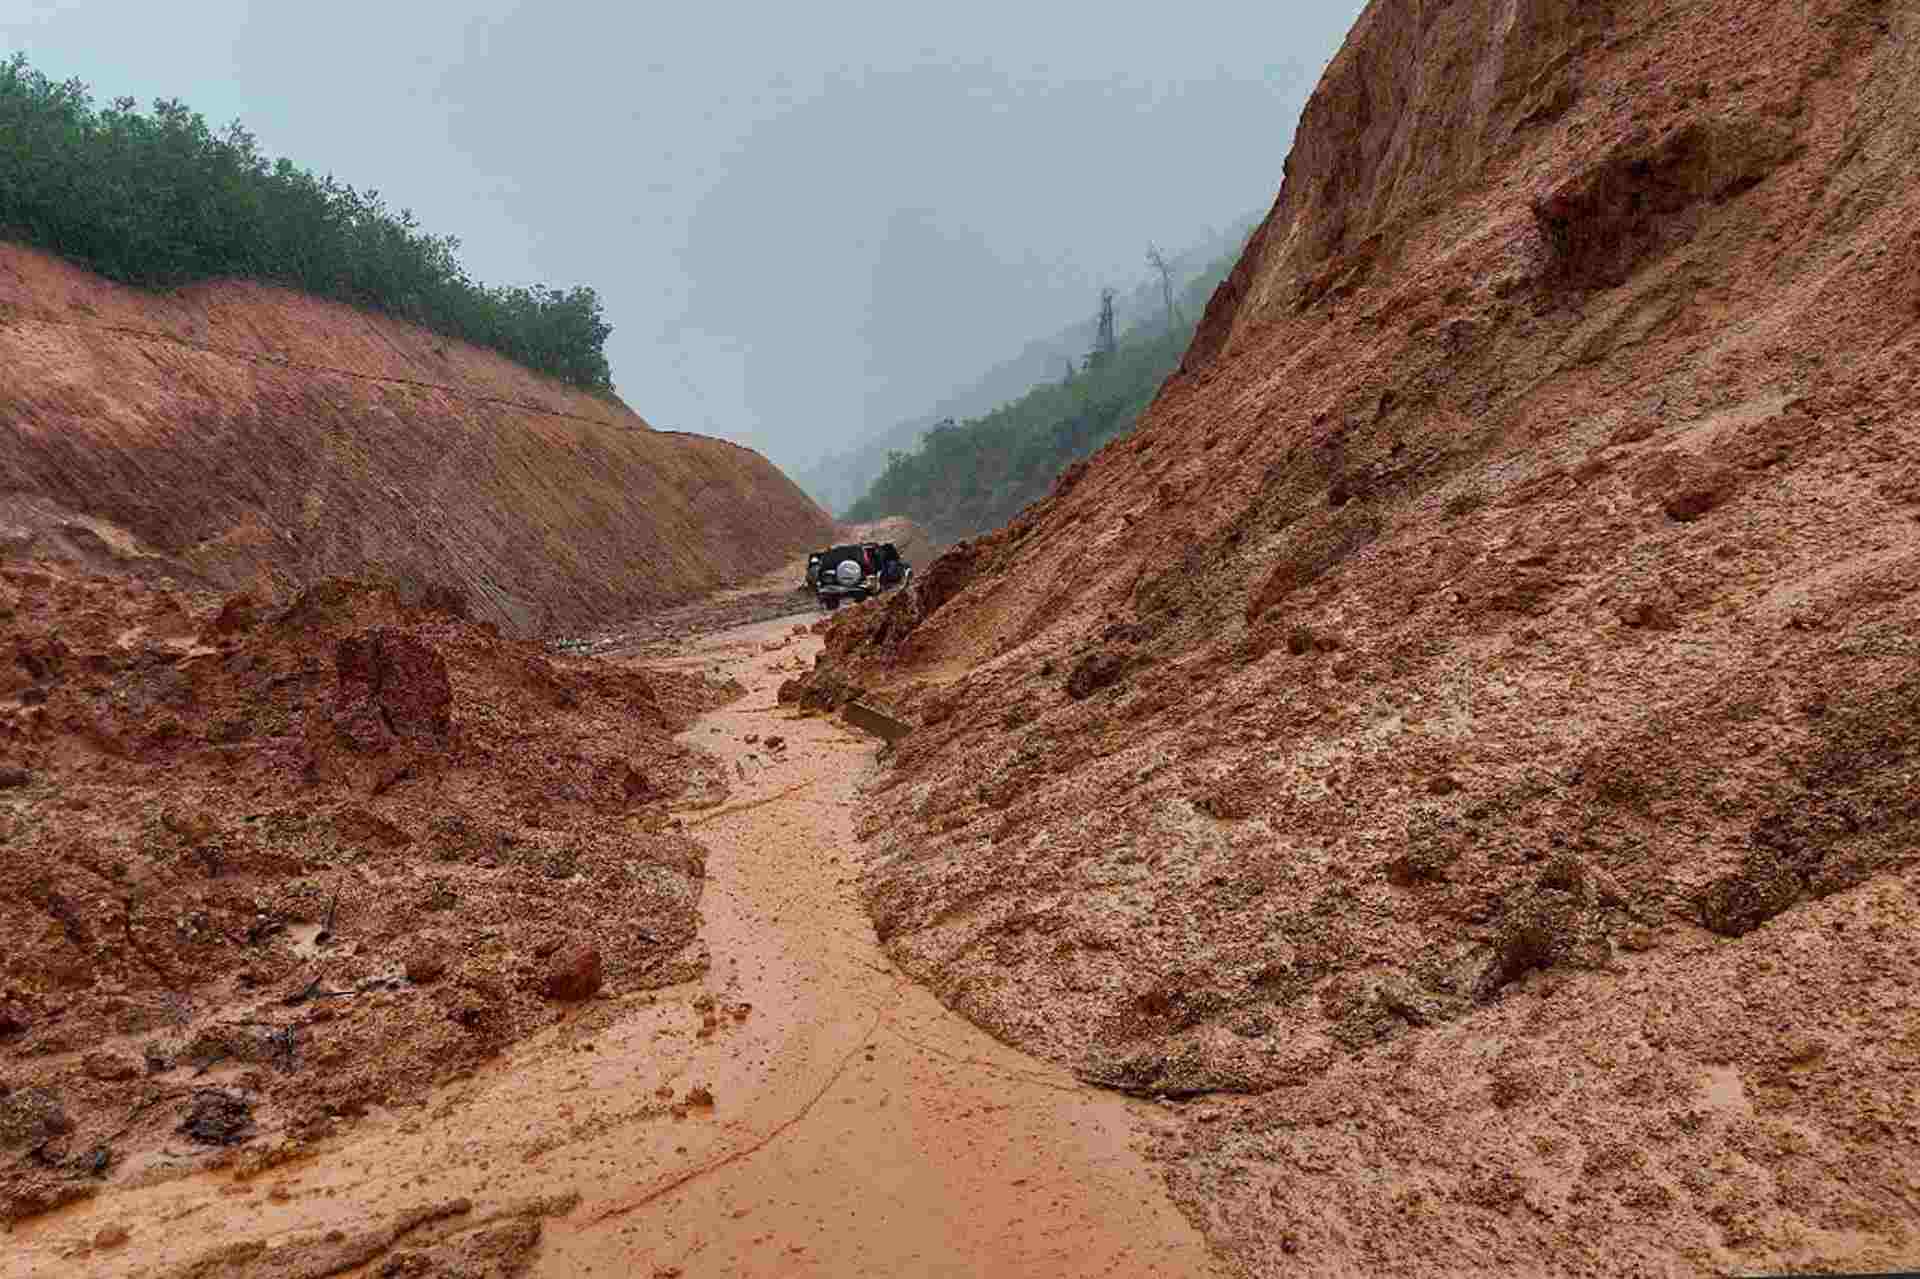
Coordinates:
(1479, 710)
(286, 865)
(261, 439)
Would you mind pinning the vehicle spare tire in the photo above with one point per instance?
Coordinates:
(849, 573)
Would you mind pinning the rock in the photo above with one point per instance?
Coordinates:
(1558, 921)
(392, 686)
(31, 1117)
(573, 973)
(192, 825)
(110, 1237)
(1399, 996)
(1639, 939)
(13, 1019)
(825, 690)
(14, 778)
(110, 1068)
(790, 690)
(775, 743)
(1095, 672)
(1761, 887)
(426, 966)
(217, 1119)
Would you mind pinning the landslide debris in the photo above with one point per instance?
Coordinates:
(1476, 711)
(262, 869)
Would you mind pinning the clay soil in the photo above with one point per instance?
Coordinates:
(242, 437)
(266, 871)
(1462, 748)
(801, 1108)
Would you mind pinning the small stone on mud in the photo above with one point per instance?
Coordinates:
(574, 973)
(217, 1119)
(110, 1237)
(1639, 938)
(1095, 672)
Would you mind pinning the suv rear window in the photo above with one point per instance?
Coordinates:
(833, 558)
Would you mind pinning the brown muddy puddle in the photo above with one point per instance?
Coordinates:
(855, 1126)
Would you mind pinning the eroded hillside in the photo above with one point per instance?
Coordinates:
(1476, 713)
(247, 437)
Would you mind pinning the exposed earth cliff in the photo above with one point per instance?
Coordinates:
(1477, 715)
(249, 437)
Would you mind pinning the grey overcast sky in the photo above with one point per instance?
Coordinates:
(805, 221)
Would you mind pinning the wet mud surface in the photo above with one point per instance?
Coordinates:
(803, 1109)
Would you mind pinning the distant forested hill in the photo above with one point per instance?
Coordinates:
(838, 480)
(967, 476)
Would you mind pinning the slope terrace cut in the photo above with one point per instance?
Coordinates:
(241, 436)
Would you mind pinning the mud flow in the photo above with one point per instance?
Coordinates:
(802, 1110)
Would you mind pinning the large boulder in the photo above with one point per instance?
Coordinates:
(573, 973)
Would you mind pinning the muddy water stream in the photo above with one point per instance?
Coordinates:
(856, 1126)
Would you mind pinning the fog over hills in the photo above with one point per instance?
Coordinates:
(806, 223)
(842, 475)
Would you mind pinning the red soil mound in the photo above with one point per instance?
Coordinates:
(1481, 700)
(255, 438)
(263, 869)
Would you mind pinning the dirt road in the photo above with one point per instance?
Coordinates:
(804, 1110)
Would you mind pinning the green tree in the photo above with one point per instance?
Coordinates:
(158, 199)
(970, 476)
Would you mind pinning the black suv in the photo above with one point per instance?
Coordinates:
(856, 571)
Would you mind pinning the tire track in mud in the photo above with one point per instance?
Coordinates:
(748, 1151)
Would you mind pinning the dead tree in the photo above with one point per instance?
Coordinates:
(1158, 261)
(1105, 341)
